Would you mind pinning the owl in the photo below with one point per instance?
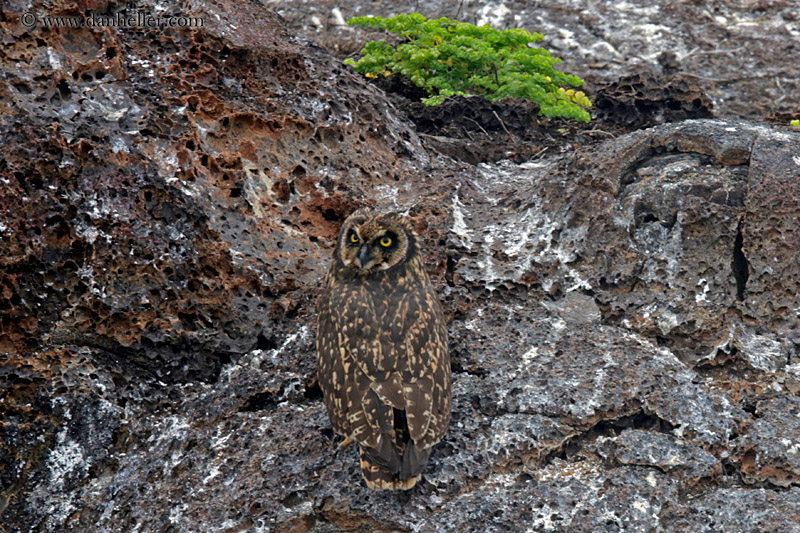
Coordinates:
(383, 363)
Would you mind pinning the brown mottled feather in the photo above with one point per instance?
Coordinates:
(383, 363)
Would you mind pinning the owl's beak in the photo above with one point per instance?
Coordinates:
(364, 259)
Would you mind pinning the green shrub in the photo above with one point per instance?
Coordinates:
(447, 57)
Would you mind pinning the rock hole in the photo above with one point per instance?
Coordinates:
(740, 265)
(259, 402)
(750, 408)
(63, 89)
(313, 392)
(265, 343)
(293, 499)
(23, 88)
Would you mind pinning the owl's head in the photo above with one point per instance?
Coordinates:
(373, 242)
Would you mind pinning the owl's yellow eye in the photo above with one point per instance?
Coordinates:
(386, 242)
(353, 237)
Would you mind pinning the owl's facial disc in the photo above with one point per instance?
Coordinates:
(373, 244)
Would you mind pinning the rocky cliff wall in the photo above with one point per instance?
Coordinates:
(622, 306)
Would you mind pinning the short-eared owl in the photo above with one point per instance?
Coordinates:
(382, 354)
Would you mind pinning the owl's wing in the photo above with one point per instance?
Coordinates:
(426, 376)
(330, 366)
(351, 346)
(362, 357)
(417, 381)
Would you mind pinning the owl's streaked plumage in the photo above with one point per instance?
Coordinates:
(382, 353)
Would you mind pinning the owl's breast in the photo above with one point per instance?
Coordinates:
(374, 321)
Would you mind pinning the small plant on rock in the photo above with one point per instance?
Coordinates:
(447, 57)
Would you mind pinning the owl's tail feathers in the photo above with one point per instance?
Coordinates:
(396, 473)
(379, 478)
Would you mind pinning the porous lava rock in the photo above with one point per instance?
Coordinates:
(622, 314)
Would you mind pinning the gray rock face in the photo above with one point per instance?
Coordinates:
(770, 451)
(665, 452)
(734, 509)
(623, 316)
(653, 224)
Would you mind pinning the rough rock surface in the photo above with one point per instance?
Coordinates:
(623, 312)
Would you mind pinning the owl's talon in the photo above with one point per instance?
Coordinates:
(345, 442)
